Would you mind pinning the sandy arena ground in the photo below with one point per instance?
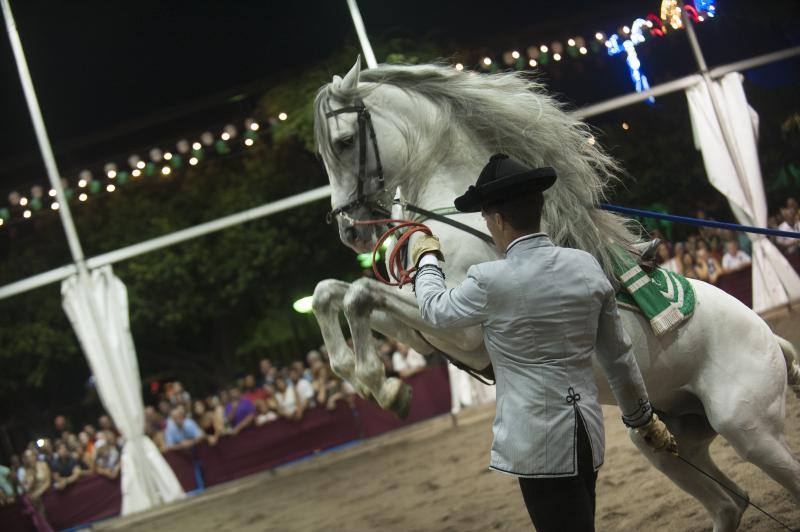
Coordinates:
(434, 477)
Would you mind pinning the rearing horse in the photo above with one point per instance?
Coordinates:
(429, 129)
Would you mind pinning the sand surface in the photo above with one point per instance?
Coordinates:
(434, 476)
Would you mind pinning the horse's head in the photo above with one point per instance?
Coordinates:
(360, 137)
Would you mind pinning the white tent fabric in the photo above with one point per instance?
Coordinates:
(775, 282)
(97, 308)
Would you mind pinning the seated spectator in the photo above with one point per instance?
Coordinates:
(338, 390)
(708, 268)
(666, 260)
(154, 425)
(37, 478)
(179, 396)
(66, 469)
(302, 371)
(8, 490)
(61, 425)
(87, 456)
(734, 259)
(107, 461)
(290, 406)
(250, 390)
(45, 451)
(320, 384)
(265, 412)
(314, 360)
(104, 423)
(19, 473)
(181, 433)
(406, 361)
(688, 266)
(790, 223)
(304, 388)
(239, 412)
(266, 373)
(208, 420)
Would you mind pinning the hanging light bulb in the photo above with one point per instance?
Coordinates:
(54, 205)
(571, 42)
(167, 156)
(533, 62)
(543, 48)
(23, 201)
(282, 116)
(196, 146)
(557, 57)
(248, 142)
(82, 196)
(166, 170)
(111, 188)
(26, 214)
(193, 161)
(487, 61)
(459, 67)
(136, 172)
(515, 54)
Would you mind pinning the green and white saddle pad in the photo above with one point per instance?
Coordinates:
(665, 298)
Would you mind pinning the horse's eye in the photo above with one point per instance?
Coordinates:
(344, 143)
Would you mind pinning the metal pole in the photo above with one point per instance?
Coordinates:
(129, 252)
(727, 135)
(44, 142)
(358, 22)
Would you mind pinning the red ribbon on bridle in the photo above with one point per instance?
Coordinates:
(395, 266)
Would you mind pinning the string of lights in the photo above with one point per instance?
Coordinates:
(91, 182)
(165, 162)
(623, 41)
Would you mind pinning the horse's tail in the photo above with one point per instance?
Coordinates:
(792, 366)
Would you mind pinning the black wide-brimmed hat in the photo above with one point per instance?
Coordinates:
(502, 178)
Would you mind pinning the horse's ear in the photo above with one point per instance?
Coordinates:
(350, 80)
(337, 81)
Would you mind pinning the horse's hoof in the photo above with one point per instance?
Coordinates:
(402, 402)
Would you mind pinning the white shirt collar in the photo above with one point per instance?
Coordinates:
(524, 237)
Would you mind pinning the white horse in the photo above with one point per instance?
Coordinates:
(722, 372)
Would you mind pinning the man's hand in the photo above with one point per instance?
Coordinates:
(425, 244)
(657, 436)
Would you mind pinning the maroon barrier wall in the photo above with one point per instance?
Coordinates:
(13, 519)
(276, 443)
(740, 284)
(88, 499)
(182, 463)
(430, 396)
(93, 498)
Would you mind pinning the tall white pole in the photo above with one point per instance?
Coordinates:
(44, 142)
(727, 135)
(358, 22)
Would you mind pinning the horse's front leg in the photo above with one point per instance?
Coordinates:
(392, 393)
(327, 303)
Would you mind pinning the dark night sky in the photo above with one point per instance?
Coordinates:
(128, 71)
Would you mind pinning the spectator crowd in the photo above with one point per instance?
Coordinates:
(713, 252)
(177, 421)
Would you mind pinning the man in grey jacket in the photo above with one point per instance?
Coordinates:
(545, 310)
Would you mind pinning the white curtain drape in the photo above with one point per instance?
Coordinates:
(97, 308)
(738, 176)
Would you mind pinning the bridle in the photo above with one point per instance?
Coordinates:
(365, 128)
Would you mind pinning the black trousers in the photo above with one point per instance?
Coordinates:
(564, 504)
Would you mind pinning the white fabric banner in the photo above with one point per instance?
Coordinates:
(97, 308)
(738, 176)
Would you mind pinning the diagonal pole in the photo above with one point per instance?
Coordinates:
(43, 140)
(358, 22)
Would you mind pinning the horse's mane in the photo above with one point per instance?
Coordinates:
(512, 114)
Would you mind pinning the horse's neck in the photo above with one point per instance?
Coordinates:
(451, 176)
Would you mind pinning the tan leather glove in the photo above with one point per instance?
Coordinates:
(657, 436)
(425, 244)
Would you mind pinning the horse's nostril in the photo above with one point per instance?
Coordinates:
(351, 234)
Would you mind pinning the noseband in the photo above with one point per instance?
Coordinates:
(364, 128)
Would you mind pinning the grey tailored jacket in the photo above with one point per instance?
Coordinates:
(545, 311)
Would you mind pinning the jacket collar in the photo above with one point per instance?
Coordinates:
(533, 240)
